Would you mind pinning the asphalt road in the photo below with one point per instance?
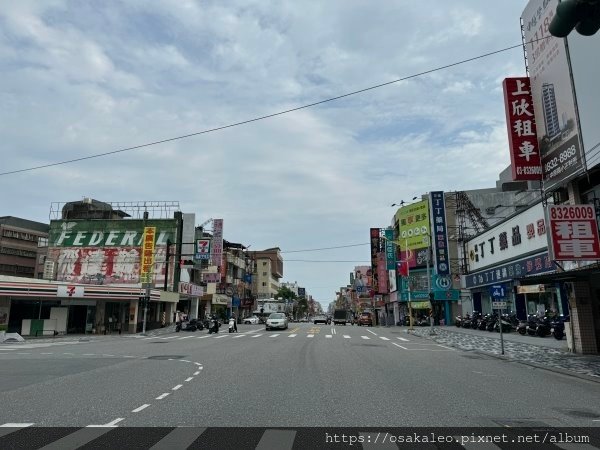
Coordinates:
(308, 375)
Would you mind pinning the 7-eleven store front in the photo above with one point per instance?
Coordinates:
(37, 307)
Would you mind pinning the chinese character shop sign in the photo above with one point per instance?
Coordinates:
(439, 232)
(147, 266)
(573, 232)
(522, 135)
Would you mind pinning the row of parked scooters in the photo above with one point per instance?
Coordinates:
(534, 325)
(212, 324)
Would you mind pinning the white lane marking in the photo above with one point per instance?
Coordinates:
(274, 335)
(239, 336)
(177, 387)
(443, 346)
(161, 396)
(104, 354)
(203, 337)
(139, 408)
(384, 338)
(184, 360)
(310, 335)
(109, 424)
(67, 353)
(129, 356)
(346, 336)
(189, 378)
(253, 331)
(197, 373)
(16, 425)
(197, 363)
(365, 337)
(372, 332)
(222, 336)
(85, 354)
(397, 345)
(145, 339)
(328, 336)
(185, 337)
(22, 353)
(257, 335)
(292, 335)
(403, 339)
(169, 337)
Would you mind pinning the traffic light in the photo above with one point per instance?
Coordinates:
(583, 15)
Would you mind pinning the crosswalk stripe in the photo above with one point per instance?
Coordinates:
(8, 428)
(403, 339)
(77, 439)
(203, 337)
(222, 336)
(384, 338)
(346, 336)
(310, 335)
(274, 335)
(257, 335)
(292, 335)
(179, 439)
(277, 439)
(365, 337)
(328, 336)
(239, 336)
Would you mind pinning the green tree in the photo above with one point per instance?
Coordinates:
(286, 293)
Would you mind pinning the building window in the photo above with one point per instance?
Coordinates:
(264, 283)
(264, 263)
(264, 274)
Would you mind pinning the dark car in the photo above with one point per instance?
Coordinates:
(365, 319)
(321, 319)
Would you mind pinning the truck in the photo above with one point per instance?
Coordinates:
(340, 316)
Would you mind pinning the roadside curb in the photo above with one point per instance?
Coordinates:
(558, 370)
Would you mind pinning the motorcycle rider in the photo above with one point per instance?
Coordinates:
(234, 323)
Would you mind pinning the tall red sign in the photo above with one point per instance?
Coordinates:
(522, 133)
(573, 233)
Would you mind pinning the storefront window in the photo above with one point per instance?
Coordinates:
(545, 303)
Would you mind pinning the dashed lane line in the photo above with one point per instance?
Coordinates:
(140, 408)
(161, 396)
(239, 336)
(373, 333)
(403, 339)
(292, 335)
(365, 337)
(189, 379)
(111, 424)
(197, 373)
(274, 335)
(177, 387)
(310, 335)
(346, 336)
(398, 345)
(328, 336)
(384, 338)
(185, 337)
(257, 335)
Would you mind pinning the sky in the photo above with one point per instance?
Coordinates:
(80, 78)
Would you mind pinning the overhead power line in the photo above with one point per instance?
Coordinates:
(268, 116)
(325, 248)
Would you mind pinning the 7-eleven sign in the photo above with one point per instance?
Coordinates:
(202, 249)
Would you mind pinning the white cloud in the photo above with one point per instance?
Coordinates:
(80, 79)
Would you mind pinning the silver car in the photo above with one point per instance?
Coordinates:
(277, 320)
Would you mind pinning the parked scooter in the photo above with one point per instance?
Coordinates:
(558, 326)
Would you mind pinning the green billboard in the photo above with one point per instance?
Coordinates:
(413, 223)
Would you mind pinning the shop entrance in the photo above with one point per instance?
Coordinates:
(28, 309)
(77, 318)
(116, 316)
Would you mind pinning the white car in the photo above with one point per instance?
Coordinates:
(277, 320)
(251, 320)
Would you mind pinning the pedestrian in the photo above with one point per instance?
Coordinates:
(234, 322)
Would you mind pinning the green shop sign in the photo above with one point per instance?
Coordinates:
(108, 233)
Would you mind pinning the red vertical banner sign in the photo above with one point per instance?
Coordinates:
(573, 233)
(522, 133)
(382, 274)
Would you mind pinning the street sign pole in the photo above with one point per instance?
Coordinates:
(501, 334)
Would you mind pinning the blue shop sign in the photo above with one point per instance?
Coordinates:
(532, 265)
(498, 291)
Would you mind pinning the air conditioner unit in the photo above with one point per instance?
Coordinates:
(49, 270)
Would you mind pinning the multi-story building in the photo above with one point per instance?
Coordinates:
(19, 240)
(268, 270)
(550, 111)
